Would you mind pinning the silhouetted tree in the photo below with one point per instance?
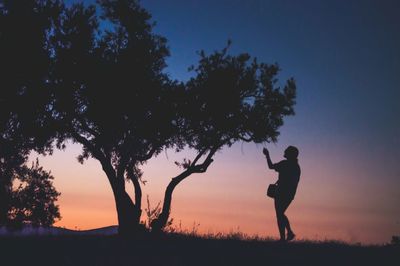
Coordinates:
(11, 160)
(230, 99)
(25, 30)
(63, 77)
(111, 96)
(33, 201)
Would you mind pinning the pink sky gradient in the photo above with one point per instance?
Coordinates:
(339, 197)
(345, 59)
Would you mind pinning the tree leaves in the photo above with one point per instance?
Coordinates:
(33, 201)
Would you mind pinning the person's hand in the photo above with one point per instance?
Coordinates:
(266, 152)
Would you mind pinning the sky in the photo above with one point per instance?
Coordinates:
(345, 58)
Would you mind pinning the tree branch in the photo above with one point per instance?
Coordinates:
(104, 160)
(122, 165)
(136, 186)
(198, 157)
(90, 146)
(245, 139)
(86, 127)
(148, 155)
(201, 168)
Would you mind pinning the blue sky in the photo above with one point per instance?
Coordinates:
(343, 54)
(345, 58)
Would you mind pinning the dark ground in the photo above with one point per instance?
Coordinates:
(185, 250)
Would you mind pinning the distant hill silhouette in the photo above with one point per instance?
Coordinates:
(29, 230)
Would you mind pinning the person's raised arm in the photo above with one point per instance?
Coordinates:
(270, 164)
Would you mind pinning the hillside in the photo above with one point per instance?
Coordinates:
(56, 231)
(176, 249)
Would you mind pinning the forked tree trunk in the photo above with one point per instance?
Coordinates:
(128, 213)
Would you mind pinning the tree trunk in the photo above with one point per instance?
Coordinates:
(138, 193)
(4, 200)
(161, 221)
(3, 207)
(128, 213)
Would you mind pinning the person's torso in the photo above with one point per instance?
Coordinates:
(289, 176)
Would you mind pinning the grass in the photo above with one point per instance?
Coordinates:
(187, 249)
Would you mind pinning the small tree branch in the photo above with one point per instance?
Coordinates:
(201, 168)
(245, 139)
(147, 156)
(104, 160)
(90, 146)
(122, 165)
(86, 127)
(136, 186)
(198, 157)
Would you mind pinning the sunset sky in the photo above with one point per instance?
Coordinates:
(345, 58)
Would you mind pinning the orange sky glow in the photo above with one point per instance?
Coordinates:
(230, 197)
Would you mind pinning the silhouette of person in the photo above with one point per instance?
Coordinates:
(288, 179)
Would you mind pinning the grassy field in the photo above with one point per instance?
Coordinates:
(178, 249)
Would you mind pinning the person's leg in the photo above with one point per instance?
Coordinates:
(281, 205)
(287, 224)
(290, 234)
(285, 205)
(280, 217)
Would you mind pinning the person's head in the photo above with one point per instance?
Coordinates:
(291, 153)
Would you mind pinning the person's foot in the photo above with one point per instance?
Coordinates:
(290, 236)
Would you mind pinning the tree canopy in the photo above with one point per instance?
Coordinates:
(229, 99)
(110, 93)
(33, 201)
(25, 28)
(95, 74)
